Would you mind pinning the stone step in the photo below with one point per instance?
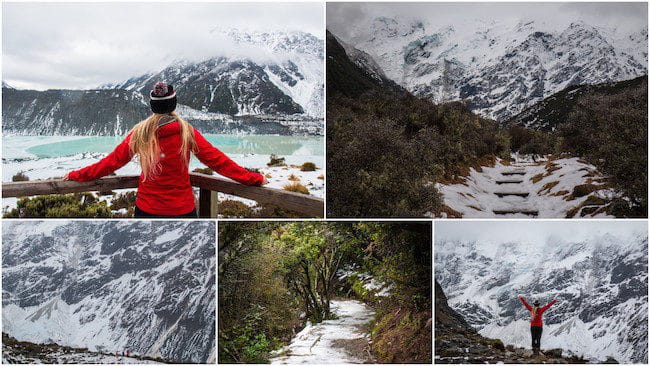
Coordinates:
(514, 172)
(520, 194)
(509, 211)
(509, 181)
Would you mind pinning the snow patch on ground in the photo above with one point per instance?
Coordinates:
(547, 183)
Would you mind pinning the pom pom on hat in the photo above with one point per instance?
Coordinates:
(162, 98)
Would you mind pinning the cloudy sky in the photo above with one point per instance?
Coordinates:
(82, 45)
(534, 232)
(342, 16)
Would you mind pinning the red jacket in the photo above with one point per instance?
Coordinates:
(536, 320)
(169, 193)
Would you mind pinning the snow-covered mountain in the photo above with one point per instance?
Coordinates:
(601, 285)
(286, 79)
(500, 67)
(147, 287)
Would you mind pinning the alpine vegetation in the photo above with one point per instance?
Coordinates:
(596, 271)
(142, 289)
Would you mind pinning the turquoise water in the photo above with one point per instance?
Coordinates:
(230, 144)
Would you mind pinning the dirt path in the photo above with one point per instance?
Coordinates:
(342, 340)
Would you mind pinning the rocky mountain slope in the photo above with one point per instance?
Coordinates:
(500, 67)
(457, 342)
(601, 285)
(280, 92)
(146, 287)
(550, 112)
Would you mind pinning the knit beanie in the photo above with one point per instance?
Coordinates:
(162, 98)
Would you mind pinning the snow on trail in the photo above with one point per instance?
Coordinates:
(528, 189)
(323, 343)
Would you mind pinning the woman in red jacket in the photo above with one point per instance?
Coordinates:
(536, 321)
(163, 143)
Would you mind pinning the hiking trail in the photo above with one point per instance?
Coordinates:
(341, 340)
(528, 189)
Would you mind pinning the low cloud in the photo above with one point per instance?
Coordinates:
(82, 45)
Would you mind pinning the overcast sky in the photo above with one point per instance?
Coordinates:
(82, 45)
(534, 231)
(342, 16)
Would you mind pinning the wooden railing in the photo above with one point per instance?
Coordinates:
(306, 205)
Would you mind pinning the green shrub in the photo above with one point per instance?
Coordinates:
(124, 200)
(61, 205)
(234, 208)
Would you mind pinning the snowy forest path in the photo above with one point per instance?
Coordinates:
(341, 340)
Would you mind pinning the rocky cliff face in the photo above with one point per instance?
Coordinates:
(500, 68)
(146, 287)
(601, 286)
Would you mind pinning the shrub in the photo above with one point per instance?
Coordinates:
(124, 200)
(234, 208)
(308, 167)
(276, 161)
(582, 190)
(296, 187)
(293, 178)
(60, 205)
(20, 177)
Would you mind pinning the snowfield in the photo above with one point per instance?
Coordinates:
(320, 343)
(525, 189)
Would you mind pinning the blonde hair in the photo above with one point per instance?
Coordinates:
(144, 143)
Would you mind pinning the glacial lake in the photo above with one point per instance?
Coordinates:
(43, 157)
(57, 146)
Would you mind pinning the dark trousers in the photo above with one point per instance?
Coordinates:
(139, 214)
(536, 334)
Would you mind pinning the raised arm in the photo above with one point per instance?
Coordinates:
(220, 163)
(548, 305)
(525, 303)
(112, 162)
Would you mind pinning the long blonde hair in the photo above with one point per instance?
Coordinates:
(144, 143)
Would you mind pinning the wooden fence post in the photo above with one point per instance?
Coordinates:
(205, 206)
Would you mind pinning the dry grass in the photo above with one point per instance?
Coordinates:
(451, 213)
(537, 178)
(546, 188)
(296, 187)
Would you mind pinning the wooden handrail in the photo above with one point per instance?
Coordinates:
(301, 203)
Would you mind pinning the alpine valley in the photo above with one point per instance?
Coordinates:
(108, 288)
(280, 93)
(500, 67)
(601, 284)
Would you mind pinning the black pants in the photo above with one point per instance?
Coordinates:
(139, 214)
(536, 334)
